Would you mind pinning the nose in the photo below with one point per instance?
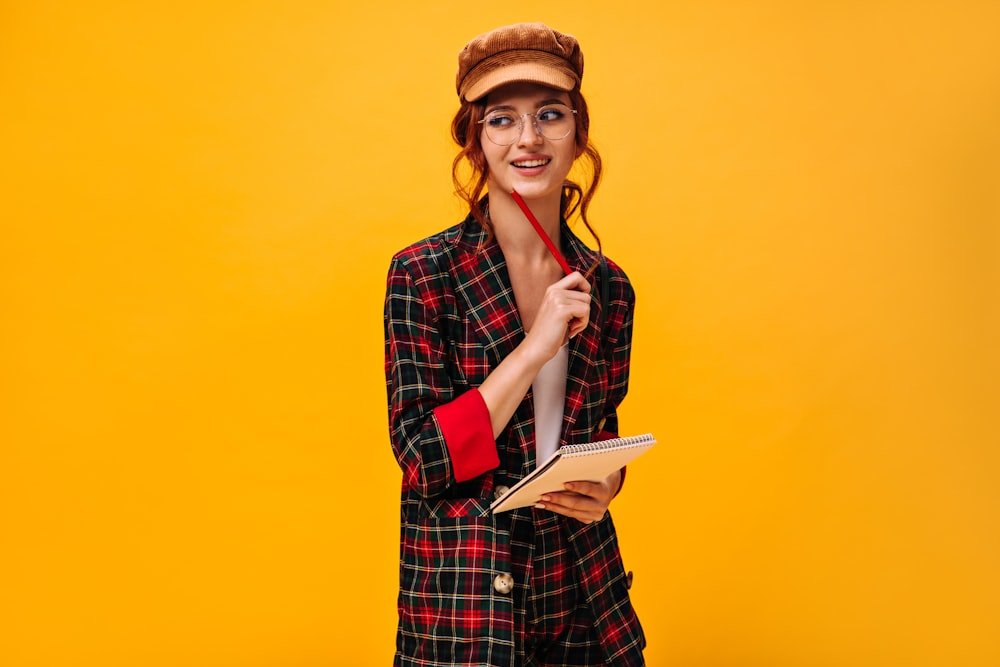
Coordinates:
(529, 131)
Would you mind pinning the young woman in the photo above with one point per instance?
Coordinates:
(495, 357)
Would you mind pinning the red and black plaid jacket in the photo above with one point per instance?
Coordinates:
(450, 319)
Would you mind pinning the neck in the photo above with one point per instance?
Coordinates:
(514, 232)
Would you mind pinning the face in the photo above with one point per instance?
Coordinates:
(533, 165)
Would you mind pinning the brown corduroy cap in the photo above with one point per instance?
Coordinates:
(531, 52)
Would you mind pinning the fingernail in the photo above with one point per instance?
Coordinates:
(546, 498)
(539, 506)
(569, 486)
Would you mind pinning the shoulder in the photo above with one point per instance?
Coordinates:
(426, 256)
(428, 263)
(619, 285)
(431, 269)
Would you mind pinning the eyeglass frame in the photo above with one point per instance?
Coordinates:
(520, 123)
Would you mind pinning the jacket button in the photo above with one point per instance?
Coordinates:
(500, 492)
(628, 580)
(503, 584)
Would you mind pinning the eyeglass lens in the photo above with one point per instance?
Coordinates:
(504, 127)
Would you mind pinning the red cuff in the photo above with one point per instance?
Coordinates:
(468, 435)
(608, 435)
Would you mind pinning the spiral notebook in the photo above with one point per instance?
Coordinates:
(572, 463)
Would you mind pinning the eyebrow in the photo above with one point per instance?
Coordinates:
(508, 107)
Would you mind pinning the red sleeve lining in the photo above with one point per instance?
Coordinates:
(468, 435)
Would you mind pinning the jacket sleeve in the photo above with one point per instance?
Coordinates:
(438, 438)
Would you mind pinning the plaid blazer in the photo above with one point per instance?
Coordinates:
(450, 319)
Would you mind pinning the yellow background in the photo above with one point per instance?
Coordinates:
(199, 201)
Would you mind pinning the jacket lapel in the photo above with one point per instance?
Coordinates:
(482, 282)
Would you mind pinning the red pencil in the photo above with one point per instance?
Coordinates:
(541, 233)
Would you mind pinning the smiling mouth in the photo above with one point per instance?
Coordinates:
(526, 164)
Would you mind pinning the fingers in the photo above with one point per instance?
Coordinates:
(585, 501)
(570, 299)
(574, 281)
(578, 324)
(564, 312)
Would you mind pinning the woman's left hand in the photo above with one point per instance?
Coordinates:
(584, 501)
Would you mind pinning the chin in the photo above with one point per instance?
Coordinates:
(536, 190)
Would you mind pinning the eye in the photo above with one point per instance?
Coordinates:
(550, 114)
(501, 119)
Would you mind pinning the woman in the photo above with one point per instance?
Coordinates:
(494, 358)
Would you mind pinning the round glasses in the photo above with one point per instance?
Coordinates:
(552, 121)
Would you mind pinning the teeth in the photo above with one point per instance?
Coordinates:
(531, 163)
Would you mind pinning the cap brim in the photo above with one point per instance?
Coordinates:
(560, 78)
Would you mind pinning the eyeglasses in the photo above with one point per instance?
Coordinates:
(553, 121)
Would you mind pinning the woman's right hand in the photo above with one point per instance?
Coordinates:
(563, 313)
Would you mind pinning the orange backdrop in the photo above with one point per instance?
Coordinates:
(199, 201)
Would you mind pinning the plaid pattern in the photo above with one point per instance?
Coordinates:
(450, 318)
(553, 624)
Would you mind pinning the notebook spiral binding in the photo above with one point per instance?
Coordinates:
(602, 445)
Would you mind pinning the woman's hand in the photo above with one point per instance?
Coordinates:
(563, 313)
(584, 501)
